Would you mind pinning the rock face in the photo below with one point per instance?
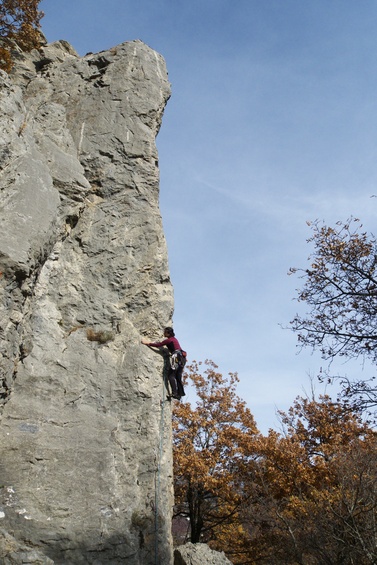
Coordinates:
(16, 553)
(85, 437)
(199, 554)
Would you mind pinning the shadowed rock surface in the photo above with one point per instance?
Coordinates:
(16, 553)
(85, 439)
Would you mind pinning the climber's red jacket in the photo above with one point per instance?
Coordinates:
(171, 343)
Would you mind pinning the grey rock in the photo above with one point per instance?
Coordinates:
(85, 430)
(14, 553)
(199, 554)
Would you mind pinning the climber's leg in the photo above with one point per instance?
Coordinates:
(173, 383)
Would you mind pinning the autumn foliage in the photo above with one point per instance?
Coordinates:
(212, 453)
(340, 289)
(19, 23)
(305, 495)
(319, 477)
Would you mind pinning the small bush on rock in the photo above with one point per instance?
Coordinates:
(102, 336)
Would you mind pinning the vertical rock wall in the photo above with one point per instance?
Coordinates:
(85, 467)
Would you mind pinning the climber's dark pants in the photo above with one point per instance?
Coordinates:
(175, 380)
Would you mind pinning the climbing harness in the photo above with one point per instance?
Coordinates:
(178, 359)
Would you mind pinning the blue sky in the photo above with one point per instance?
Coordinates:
(272, 123)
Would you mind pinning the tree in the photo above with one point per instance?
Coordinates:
(20, 23)
(304, 496)
(213, 453)
(340, 288)
(319, 479)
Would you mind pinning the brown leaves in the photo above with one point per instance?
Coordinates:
(5, 60)
(212, 451)
(319, 480)
(306, 495)
(340, 290)
(19, 23)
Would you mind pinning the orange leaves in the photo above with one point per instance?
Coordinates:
(19, 22)
(307, 495)
(212, 443)
(319, 479)
(5, 60)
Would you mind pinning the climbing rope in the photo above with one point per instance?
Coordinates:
(158, 471)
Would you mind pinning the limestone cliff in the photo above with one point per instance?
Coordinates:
(85, 439)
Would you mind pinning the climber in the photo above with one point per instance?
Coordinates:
(177, 361)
